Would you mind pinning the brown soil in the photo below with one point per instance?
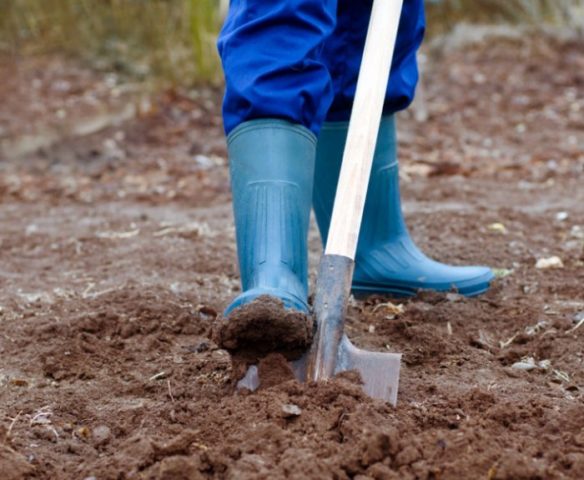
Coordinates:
(117, 253)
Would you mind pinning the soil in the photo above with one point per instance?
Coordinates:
(117, 253)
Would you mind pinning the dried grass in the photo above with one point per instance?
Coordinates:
(445, 14)
(173, 41)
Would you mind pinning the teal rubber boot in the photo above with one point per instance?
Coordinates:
(387, 260)
(272, 173)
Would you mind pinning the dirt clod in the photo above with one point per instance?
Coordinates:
(14, 466)
(290, 410)
(274, 369)
(101, 435)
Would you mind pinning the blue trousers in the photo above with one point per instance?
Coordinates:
(298, 60)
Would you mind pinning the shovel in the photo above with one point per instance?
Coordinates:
(332, 351)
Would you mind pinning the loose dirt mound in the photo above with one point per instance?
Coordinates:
(117, 253)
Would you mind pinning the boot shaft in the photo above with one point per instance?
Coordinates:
(272, 171)
(382, 216)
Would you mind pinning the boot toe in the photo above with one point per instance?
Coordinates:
(473, 280)
(468, 281)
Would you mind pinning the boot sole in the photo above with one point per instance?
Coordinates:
(402, 291)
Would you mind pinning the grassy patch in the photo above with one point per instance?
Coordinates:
(444, 14)
(169, 40)
(174, 40)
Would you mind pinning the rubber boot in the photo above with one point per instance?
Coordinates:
(387, 260)
(272, 173)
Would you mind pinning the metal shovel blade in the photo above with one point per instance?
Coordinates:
(251, 379)
(379, 371)
(332, 352)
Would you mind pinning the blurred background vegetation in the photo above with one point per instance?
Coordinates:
(444, 14)
(173, 41)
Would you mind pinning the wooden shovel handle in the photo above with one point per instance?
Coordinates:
(363, 128)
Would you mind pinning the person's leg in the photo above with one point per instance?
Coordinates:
(271, 53)
(387, 259)
(277, 94)
(344, 49)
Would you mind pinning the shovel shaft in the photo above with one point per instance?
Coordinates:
(363, 128)
(336, 268)
(333, 288)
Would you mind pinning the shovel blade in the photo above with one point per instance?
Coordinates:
(251, 379)
(379, 371)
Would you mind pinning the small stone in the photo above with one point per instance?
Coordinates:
(544, 364)
(525, 364)
(579, 317)
(497, 227)
(561, 216)
(577, 231)
(199, 347)
(550, 262)
(204, 161)
(290, 410)
(532, 330)
(454, 297)
(101, 435)
(31, 230)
